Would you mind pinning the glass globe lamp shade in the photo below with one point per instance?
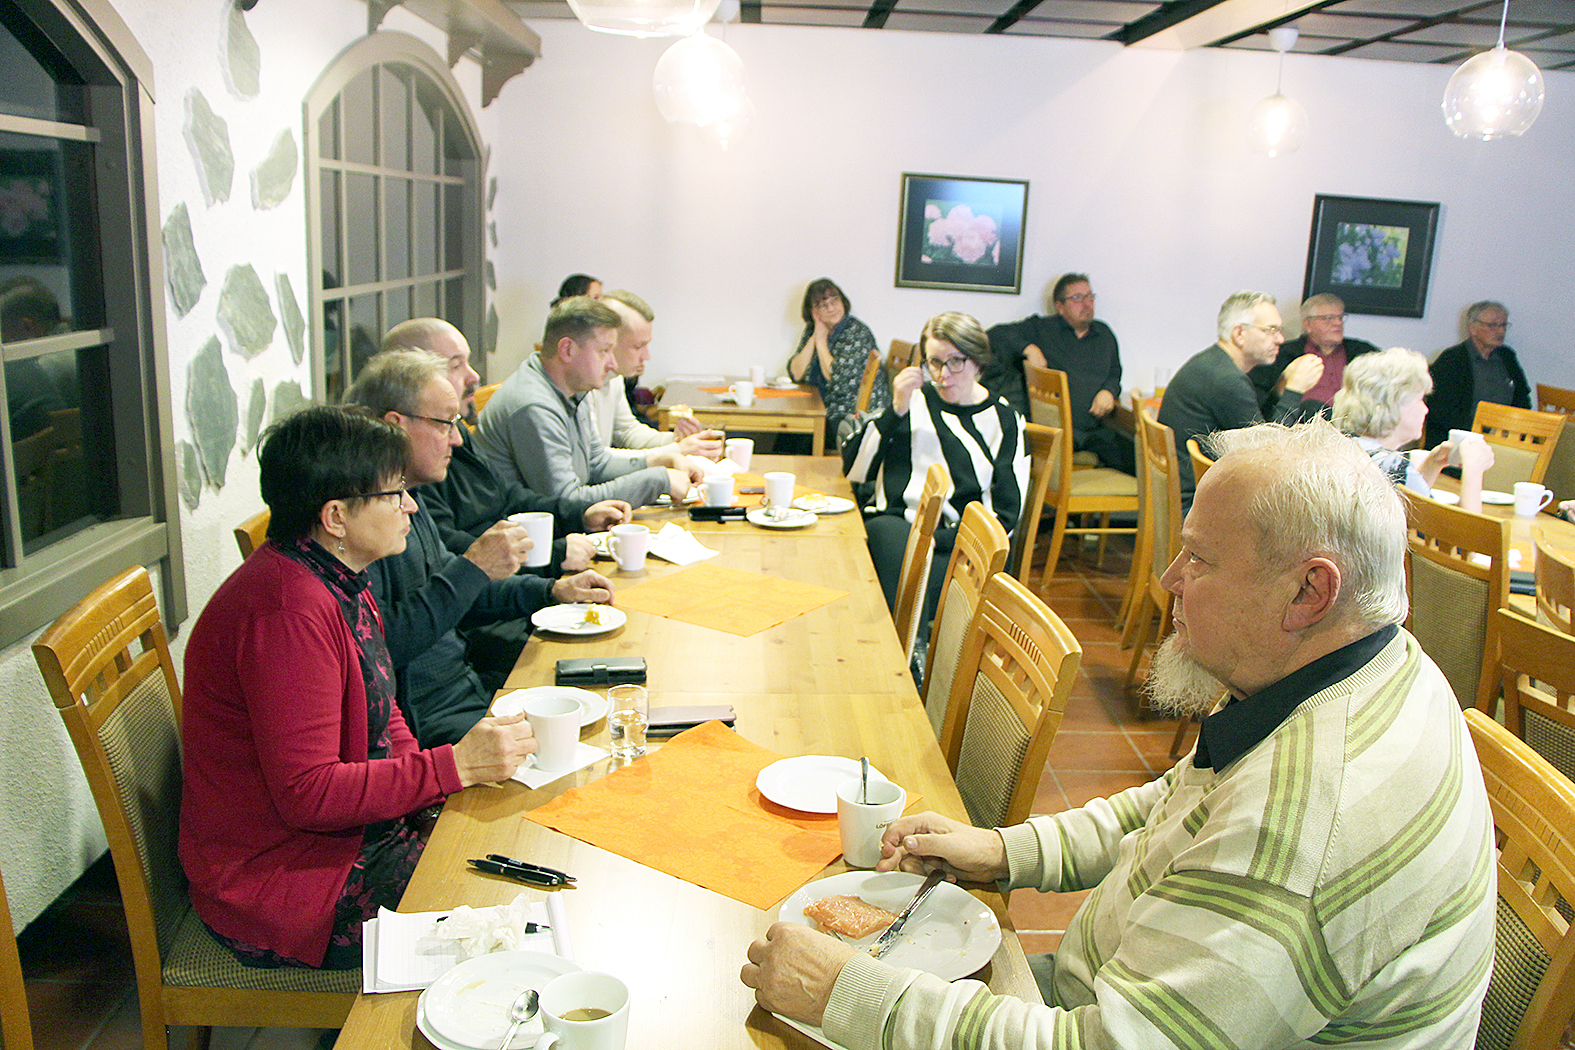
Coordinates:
(1493, 95)
(735, 118)
(644, 17)
(696, 79)
(1276, 126)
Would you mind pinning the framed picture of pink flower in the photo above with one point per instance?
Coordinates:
(961, 233)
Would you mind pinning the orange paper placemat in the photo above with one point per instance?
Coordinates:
(691, 809)
(762, 392)
(723, 599)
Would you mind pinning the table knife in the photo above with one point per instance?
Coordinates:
(889, 938)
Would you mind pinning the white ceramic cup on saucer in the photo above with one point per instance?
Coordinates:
(1530, 498)
(629, 544)
(555, 720)
(757, 375)
(743, 393)
(739, 450)
(538, 524)
(584, 1011)
(779, 489)
(719, 490)
(861, 824)
(1455, 438)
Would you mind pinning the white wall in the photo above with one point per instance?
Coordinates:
(1138, 170)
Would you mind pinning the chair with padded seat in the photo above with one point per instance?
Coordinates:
(1536, 669)
(1560, 476)
(908, 608)
(16, 1026)
(1090, 490)
(867, 383)
(1043, 444)
(1013, 680)
(484, 394)
(1200, 460)
(1457, 572)
(1161, 523)
(252, 533)
(1045, 399)
(1555, 576)
(1523, 443)
(108, 669)
(979, 552)
(899, 355)
(1531, 994)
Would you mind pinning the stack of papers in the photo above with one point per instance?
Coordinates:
(406, 952)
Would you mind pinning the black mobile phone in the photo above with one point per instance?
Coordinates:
(716, 513)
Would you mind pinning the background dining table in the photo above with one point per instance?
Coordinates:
(795, 409)
(831, 681)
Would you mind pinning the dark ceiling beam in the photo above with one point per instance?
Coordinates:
(749, 11)
(1171, 14)
(879, 11)
(1013, 16)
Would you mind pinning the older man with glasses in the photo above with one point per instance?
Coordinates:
(1481, 368)
(1323, 333)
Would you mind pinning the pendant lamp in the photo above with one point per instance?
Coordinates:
(1495, 94)
(698, 81)
(1277, 124)
(644, 17)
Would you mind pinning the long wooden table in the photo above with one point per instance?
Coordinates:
(803, 414)
(832, 681)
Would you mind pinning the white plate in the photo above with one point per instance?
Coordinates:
(809, 783)
(567, 619)
(951, 935)
(792, 519)
(1497, 498)
(592, 705)
(824, 504)
(783, 383)
(1447, 498)
(469, 1006)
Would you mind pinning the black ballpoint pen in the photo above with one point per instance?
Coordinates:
(528, 866)
(509, 871)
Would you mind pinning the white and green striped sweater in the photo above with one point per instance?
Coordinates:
(1332, 886)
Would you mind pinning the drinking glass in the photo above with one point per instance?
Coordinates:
(628, 714)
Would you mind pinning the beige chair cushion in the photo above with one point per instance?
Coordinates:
(1519, 962)
(1510, 464)
(950, 633)
(1102, 481)
(1560, 476)
(1551, 740)
(994, 746)
(1449, 619)
(195, 960)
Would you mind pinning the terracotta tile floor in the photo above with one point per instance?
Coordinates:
(77, 961)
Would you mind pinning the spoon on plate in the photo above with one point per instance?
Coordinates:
(523, 1010)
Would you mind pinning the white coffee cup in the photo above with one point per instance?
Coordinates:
(757, 375)
(1455, 438)
(538, 524)
(719, 490)
(1530, 498)
(629, 544)
(743, 393)
(779, 489)
(584, 991)
(555, 720)
(861, 824)
(739, 450)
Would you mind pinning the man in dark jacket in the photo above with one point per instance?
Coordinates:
(1323, 333)
(1480, 369)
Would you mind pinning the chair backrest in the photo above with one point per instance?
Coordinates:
(1200, 462)
(1162, 488)
(1536, 666)
(1532, 991)
(1044, 448)
(1555, 399)
(899, 355)
(1012, 685)
(867, 384)
(979, 553)
(916, 560)
(484, 393)
(1555, 589)
(108, 669)
(1458, 571)
(1523, 443)
(252, 533)
(1049, 404)
(16, 1030)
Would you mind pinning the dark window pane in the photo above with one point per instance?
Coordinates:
(328, 132)
(424, 242)
(394, 113)
(426, 300)
(455, 226)
(454, 303)
(49, 236)
(396, 227)
(35, 80)
(425, 123)
(356, 100)
(333, 345)
(328, 205)
(396, 308)
(458, 157)
(361, 236)
(366, 331)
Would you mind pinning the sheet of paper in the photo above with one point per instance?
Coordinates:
(403, 952)
(678, 545)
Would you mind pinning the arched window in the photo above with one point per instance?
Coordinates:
(393, 203)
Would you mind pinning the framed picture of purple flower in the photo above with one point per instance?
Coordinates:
(961, 233)
(1374, 254)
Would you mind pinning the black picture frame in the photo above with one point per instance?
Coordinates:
(977, 249)
(1375, 254)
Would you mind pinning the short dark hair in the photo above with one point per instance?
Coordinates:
(1067, 280)
(573, 285)
(578, 318)
(324, 453)
(818, 289)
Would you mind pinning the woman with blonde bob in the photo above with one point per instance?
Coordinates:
(1380, 403)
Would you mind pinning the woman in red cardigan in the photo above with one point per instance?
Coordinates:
(303, 787)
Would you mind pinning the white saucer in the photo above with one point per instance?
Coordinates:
(823, 504)
(1497, 498)
(592, 705)
(468, 1007)
(793, 519)
(808, 783)
(568, 619)
(1447, 498)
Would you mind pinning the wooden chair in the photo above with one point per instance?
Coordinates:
(484, 394)
(1200, 462)
(979, 553)
(1096, 490)
(1045, 399)
(1536, 667)
(908, 609)
(1560, 476)
(108, 669)
(16, 1029)
(1457, 570)
(1012, 684)
(899, 355)
(1043, 451)
(867, 384)
(1531, 993)
(1555, 399)
(252, 533)
(1161, 520)
(1523, 442)
(1555, 574)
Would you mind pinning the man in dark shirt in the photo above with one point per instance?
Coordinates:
(1323, 333)
(1074, 343)
(1480, 369)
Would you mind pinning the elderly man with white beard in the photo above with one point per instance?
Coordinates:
(1319, 870)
